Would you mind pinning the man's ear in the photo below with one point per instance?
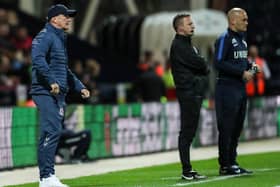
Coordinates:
(233, 21)
(179, 28)
(54, 19)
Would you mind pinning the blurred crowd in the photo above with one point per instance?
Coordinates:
(15, 61)
(87, 71)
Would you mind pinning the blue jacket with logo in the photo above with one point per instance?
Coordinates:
(231, 56)
(50, 63)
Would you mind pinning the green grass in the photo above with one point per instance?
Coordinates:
(266, 169)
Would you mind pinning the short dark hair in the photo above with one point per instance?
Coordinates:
(177, 20)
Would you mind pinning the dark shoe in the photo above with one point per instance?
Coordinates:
(233, 170)
(187, 176)
(229, 171)
(242, 170)
(192, 175)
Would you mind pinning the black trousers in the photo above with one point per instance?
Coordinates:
(230, 101)
(189, 115)
(80, 140)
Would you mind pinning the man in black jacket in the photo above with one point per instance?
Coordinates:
(189, 71)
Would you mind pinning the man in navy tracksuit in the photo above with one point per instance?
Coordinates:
(51, 80)
(233, 71)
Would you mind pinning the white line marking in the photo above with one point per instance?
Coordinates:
(207, 180)
(255, 170)
(265, 169)
(218, 178)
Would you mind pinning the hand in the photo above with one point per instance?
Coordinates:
(54, 89)
(247, 76)
(85, 93)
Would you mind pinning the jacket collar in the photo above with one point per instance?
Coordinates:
(238, 34)
(59, 32)
(182, 37)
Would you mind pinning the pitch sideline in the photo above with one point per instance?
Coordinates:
(218, 178)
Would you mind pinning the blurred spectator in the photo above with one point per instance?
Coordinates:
(7, 82)
(158, 62)
(12, 18)
(169, 83)
(159, 69)
(92, 71)
(147, 59)
(76, 145)
(21, 38)
(5, 31)
(256, 86)
(149, 86)
(78, 69)
(5, 37)
(5, 70)
(88, 74)
(21, 66)
(3, 15)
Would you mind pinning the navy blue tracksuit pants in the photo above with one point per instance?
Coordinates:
(51, 114)
(231, 101)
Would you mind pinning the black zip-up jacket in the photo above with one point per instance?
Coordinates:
(231, 56)
(189, 69)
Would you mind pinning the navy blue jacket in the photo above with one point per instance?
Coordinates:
(231, 56)
(50, 63)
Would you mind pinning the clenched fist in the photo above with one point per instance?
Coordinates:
(54, 89)
(247, 76)
(85, 93)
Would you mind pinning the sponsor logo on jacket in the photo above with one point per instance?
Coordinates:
(240, 54)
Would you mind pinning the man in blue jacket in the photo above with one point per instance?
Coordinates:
(234, 71)
(51, 80)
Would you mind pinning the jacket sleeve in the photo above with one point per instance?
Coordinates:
(222, 63)
(74, 82)
(40, 47)
(190, 59)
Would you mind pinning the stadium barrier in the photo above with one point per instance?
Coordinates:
(127, 129)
